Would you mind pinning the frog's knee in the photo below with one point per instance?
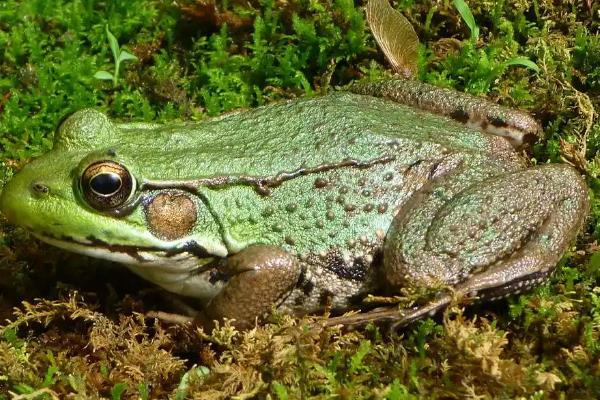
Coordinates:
(566, 184)
(567, 192)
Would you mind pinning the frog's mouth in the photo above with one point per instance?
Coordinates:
(186, 257)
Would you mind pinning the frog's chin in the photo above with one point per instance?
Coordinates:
(178, 271)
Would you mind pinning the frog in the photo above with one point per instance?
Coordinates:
(311, 203)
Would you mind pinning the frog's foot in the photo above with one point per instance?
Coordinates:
(262, 276)
(496, 238)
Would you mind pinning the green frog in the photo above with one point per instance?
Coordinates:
(309, 203)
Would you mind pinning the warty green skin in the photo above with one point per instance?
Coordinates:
(309, 203)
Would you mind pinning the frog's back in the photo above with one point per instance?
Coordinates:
(308, 133)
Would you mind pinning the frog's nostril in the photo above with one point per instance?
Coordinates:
(39, 189)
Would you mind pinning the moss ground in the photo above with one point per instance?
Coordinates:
(196, 59)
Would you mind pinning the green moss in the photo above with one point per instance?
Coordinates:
(198, 59)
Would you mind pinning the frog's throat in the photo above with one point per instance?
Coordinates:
(189, 258)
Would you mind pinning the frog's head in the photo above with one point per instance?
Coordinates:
(85, 195)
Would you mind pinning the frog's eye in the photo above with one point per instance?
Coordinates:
(106, 185)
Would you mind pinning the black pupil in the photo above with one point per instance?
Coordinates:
(106, 183)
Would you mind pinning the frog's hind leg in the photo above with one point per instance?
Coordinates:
(495, 238)
(517, 126)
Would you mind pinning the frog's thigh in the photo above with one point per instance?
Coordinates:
(496, 237)
(262, 277)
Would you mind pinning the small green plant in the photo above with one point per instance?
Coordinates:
(117, 391)
(465, 12)
(195, 373)
(119, 55)
(467, 16)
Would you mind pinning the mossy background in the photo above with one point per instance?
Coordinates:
(198, 59)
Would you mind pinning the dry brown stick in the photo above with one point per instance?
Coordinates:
(396, 316)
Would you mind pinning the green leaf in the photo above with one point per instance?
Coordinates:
(10, 335)
(594, 262)
(194, 373)
(398, 391)
(144, 391)
(104, 75)
(524, 62)
(23, 388)
(125, 55)
(50, 377)
(117, 391)
(114, 44)
(104, 371)
(467, 16)
(280, 391)
(356, 360)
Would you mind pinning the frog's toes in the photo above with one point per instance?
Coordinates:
(495, 238)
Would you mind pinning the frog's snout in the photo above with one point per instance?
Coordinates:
(20, 197)
(9, 202)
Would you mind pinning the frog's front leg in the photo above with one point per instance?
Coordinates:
(261, 277)
(494, 238)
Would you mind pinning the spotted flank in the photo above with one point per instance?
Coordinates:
(334, 279)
